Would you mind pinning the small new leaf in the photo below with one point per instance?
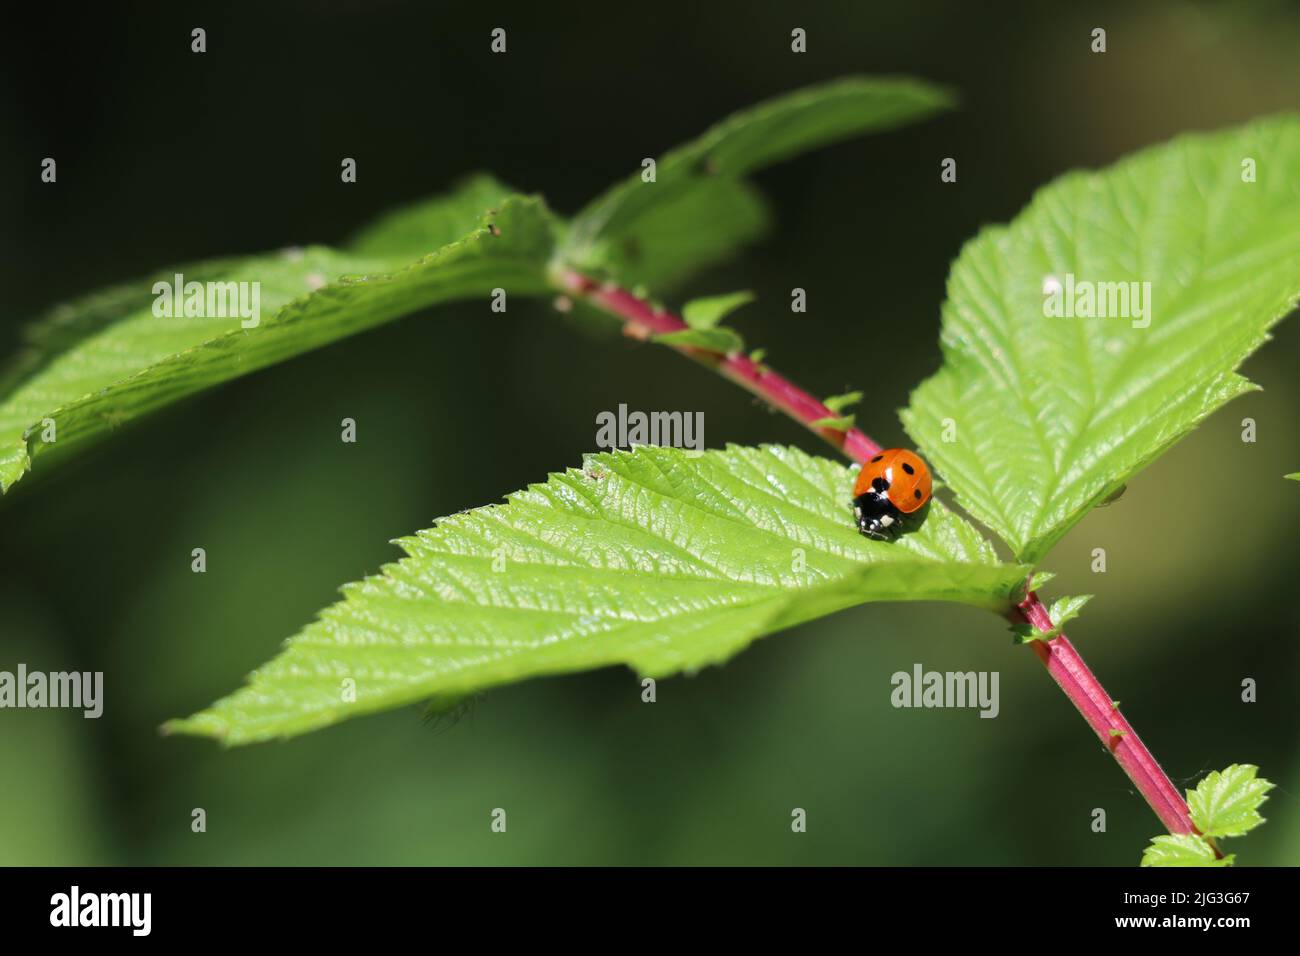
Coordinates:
(724, 340)
(1063, 610)
(839, 422)
(837, 403)
(1067, 609)
(706, 313)
(1183, 849)
(1033, 583)
(1226, 803)
(1040, 578)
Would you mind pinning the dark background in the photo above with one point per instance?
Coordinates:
(166, 156)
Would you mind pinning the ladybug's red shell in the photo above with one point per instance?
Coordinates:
(904, 476)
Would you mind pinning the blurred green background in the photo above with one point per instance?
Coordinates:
(165, 156)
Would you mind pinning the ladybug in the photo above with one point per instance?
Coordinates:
(895, 483)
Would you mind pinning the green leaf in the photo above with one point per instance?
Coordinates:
(707, 312)
(724, 340)
(1054, 414)
(837, 403)
(1184, 849)
(1294, 476)
(66, 325)
(697, 227)
(115, 372)
(1226, 803)
(1040, 578)
(659, 558)
(757, 356)
(741, 144)
(426, 226)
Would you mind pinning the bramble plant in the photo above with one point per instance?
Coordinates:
(1079, 343)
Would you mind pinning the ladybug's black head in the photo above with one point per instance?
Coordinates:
(876, 516)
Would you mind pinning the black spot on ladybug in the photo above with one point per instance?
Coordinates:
(877, 458)
(880, 484)
(911, 471)
(917, 492)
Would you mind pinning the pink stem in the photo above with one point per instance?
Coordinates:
(642, 319)
(1100, 711)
